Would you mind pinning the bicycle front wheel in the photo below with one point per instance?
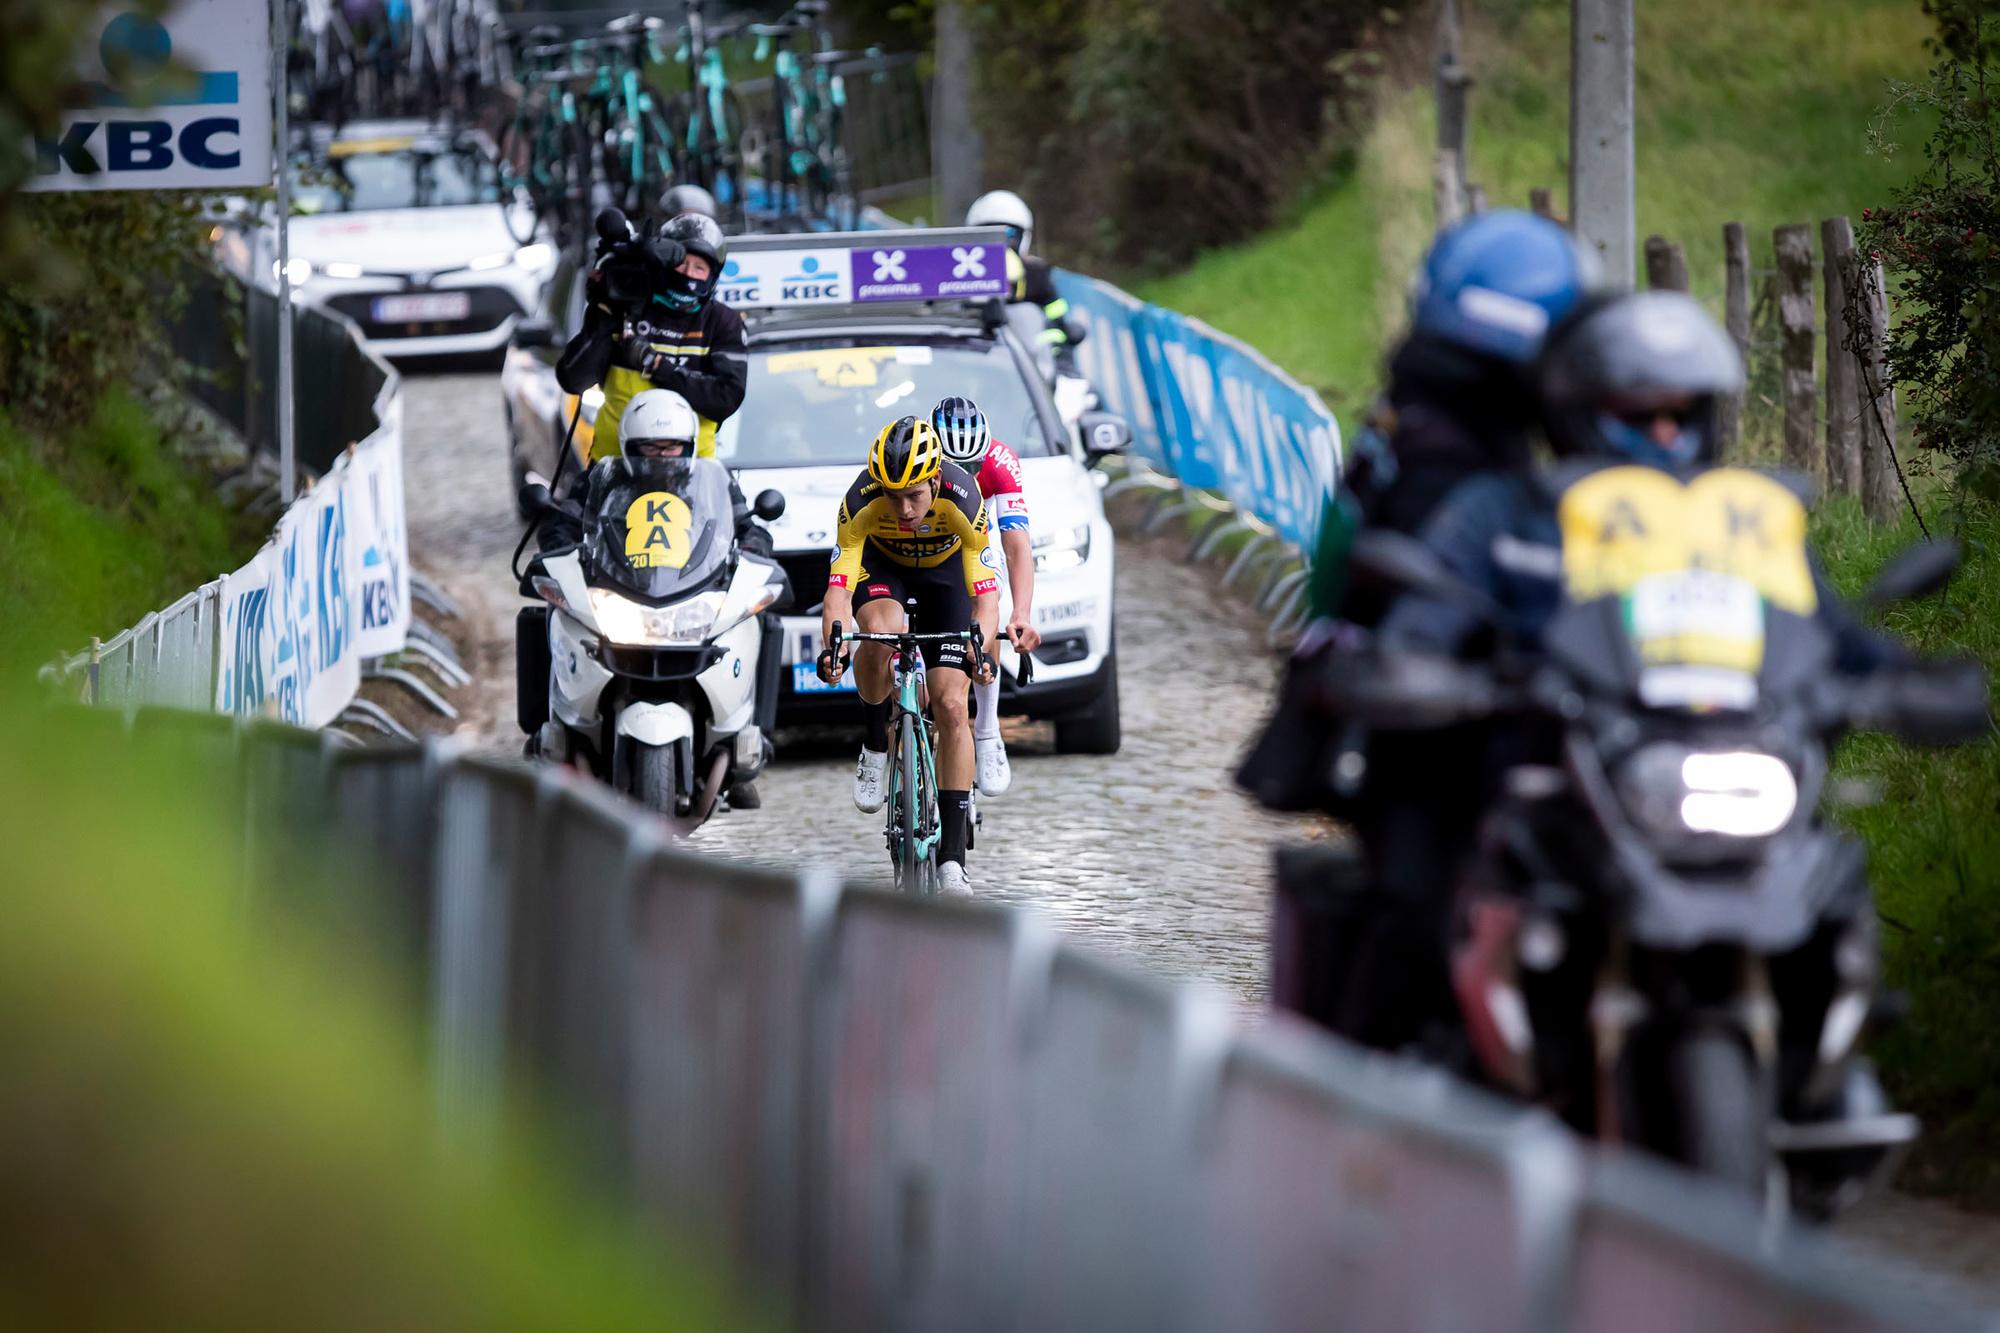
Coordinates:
(906, 812)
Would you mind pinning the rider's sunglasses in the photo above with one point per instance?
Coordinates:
(1014, 234)
(1645, 418)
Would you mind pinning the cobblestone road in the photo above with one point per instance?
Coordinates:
(1149, 853)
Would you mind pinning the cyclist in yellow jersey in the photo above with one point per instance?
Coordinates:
(912, 526)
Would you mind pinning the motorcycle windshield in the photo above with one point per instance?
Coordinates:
(660, 527)
(1681, 592)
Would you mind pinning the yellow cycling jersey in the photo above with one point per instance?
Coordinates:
(955, 524)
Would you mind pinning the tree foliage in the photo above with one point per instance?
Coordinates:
(84, 278)
(1939, 238)
(1145, 131)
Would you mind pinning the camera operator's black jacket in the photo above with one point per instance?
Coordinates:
(705, 365)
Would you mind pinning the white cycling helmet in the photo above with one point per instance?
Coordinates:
(962, 429)
(1004, 208)
(658, 423)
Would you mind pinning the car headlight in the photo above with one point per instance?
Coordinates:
(343, 270)
(683, 624)
(1674, 791)
(298, 270)
(1065, 548)
(498, 259)
(535, 257)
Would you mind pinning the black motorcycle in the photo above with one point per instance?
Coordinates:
(1659, 935)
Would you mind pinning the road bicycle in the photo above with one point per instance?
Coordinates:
(707, 118)
(803, 147)
(544, 155)
(912, 826)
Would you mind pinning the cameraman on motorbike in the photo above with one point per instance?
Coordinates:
(1460, 402)
(1633, 380)
(651, 323)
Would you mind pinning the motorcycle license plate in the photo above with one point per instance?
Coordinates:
(805, 680)
(422, 309)
(1697, 617)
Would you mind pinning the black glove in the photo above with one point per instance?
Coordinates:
(659, 367)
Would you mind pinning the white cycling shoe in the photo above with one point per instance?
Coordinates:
(952, 881)
(994, 774)
(868, 775)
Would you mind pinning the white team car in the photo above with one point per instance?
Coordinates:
(398, 225)
(849, 331)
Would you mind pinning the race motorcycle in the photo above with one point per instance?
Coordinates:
(642, 664)
(1660, 936)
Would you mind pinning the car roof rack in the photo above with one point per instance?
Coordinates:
(941, 272)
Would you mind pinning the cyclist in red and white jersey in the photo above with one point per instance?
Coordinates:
(967, 440)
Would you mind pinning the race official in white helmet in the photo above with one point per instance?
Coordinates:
(1030, 277)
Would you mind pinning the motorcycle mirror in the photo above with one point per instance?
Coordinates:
(534, 331)
(769, 506)
(1917, 572)
(1104, 434)
(1401, 561)
(536, 500)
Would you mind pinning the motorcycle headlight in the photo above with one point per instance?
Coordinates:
(680, 624)
(1674, 791)
(1065, 548)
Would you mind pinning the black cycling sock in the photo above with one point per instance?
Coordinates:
(953, 807)
(875, 718)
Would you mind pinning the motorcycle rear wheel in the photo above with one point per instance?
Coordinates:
(1721, 1111)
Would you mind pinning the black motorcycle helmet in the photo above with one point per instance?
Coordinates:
(697, 235)
(1639, 377)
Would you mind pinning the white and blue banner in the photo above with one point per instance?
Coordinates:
(291, 617)
(1207, 409)
(330, 588)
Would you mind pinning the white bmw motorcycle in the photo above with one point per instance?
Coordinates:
(653, 635)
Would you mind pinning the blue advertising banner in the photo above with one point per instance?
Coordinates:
(1208, 409)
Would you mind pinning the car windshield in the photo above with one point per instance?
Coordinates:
(820, 402)
(362, 176)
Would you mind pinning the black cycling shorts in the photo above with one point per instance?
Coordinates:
(943, 604)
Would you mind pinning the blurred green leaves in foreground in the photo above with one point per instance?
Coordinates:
(211, 1117)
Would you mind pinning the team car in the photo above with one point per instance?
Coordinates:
(399, 225)
(847, 331)
(836, 351)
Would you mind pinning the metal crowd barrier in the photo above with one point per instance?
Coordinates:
(892, 1114)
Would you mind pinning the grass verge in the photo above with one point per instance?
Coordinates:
(1934, 856)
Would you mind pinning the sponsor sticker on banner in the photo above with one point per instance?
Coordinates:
(785, 278)
(180, 102)
(892, 272)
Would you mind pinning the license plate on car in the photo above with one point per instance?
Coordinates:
(805, 680)
(424, 308)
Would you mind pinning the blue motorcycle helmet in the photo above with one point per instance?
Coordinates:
(1498, 282)
(1639, 377)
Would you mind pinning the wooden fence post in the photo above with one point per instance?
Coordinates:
(1876, 392)
(1843, 390)
(1666, 265)
(1795, 317)
(1542, 202)
(1736, 318)
(1447, 196)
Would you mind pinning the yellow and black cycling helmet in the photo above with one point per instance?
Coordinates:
(907, 453)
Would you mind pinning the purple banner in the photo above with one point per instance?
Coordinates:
(929, 272)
